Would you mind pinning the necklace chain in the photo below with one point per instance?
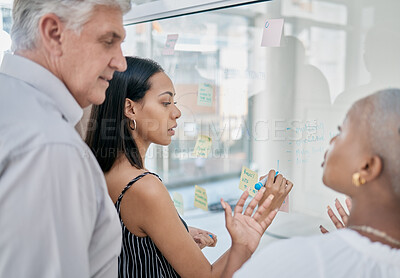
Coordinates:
(375, 232)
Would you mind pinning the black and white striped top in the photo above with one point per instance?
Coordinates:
(140, 257)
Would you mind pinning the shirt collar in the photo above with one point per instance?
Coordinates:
(45, 82)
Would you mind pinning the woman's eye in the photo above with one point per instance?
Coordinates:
(166, 103)
(339, 128)
(175, 102)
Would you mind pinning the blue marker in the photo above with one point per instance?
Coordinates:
(261, 183)
(210, 236)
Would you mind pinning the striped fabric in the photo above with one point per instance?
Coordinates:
(139, 255)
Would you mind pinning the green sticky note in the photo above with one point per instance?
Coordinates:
(200, 198)
(178, 202)
(205, 94)
(248, 179)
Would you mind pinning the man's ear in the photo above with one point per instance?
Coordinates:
(372, 168)
(129, 109)
(51, 29)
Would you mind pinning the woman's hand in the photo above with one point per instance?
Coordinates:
(203, 238)
(277, 186)
(343, 215)
(245, 229)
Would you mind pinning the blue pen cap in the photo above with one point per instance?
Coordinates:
(259, 184)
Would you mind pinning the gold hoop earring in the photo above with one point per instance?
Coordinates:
(134, 124)
(357, 179)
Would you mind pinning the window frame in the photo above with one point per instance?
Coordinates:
(162, 9)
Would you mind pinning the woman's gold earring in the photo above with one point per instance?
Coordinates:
(357, 179)
(134, 124)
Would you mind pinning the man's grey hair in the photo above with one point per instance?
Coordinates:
(381, 114)
(74, 13)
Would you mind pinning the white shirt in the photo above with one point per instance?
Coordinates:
(56, 218)
(339, 254)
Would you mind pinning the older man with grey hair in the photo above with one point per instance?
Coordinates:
(56, 218)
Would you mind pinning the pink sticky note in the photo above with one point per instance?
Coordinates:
(285, 205)
(169, 47)
(272, 32)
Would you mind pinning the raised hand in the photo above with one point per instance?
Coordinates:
(246, 229)
(339, 224)
(277, 186)
(203, 238)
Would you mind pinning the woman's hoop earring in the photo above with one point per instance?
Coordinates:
(134, 124)
(357, 179)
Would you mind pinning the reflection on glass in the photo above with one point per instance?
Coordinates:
(269, 105)
(203, 55)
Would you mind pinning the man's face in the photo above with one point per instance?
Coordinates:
(90, 59)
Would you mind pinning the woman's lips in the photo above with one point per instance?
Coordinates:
(171, 132)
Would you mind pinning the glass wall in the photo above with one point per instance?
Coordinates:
(202, 57)
(271, 107)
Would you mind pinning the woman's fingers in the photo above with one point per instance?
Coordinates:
(343, 214)
(240, 203)
(348, 203)
(271, 177)
(214, 237)
(262, 208)
(334, 219)
(228, 213)
(253, 203)
(200, 241)
(278, 180)
(204, 239)
(323, 230)
(262, 177)
(268, 220)
(289, 186)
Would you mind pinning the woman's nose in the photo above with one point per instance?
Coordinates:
(176, 113)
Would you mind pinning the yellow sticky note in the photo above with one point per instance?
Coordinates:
(248, 179)
(202, 147)
(200, 198)
(205, 94)
(178, 202)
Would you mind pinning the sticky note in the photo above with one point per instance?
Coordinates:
(178, 202)
(202, 147)
(205, 94)
(285, 205)
(248, 179)
(200, 198)
(169, 48)
(272, 32)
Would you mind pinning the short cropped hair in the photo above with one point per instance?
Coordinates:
(74, 13)
(381, 114)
